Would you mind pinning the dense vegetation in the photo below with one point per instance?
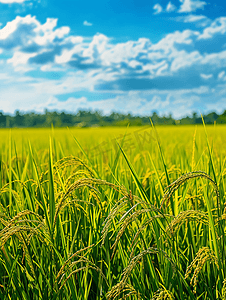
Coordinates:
(88, 119)
(142, 218)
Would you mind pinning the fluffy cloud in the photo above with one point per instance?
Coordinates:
(158, 8)
(170, 7)
(133, 102)
(191, 5)
(136, 63)
(216, 106)
(180, 103)
(187, 6)
(86, 23)
(12, 1)
(217, 27)
(29, 34)
(45, 62)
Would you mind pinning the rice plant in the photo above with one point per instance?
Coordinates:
(143, 218)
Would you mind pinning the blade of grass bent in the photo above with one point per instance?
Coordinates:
(135, 177)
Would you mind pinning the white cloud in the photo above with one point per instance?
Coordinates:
(218, 60)
(133, 102)
(25, 31)
(194, 18)
(11, 27)
(184, 60)
(46, 34)
(191, 5)
(66, 55)
(221, 75)
(166, 45)
(53, 104)
(160, 71)
(45, 46)
(198, 20)
(158, 8)
(40, 95)
(182, 65)
(217, 106)
(218, 26)
(206, 76)
(97, 46)
(20, 58)
(170, 7)
(12, 1)
(87, 23)
(124, 52)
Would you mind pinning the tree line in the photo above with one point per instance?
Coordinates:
(85, 118)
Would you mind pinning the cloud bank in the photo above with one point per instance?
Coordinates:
(187, 6)
(12, 1)
(45, 66)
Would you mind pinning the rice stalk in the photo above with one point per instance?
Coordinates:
(203, 256)
(184, 217)
(181, 180)
(163, 294)
(118, 288)
(224, 290)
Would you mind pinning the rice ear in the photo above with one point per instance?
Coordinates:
(204, 255)
(163, 294)
(181, 180)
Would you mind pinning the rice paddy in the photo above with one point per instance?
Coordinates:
(113, 213)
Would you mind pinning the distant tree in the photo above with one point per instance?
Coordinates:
(222, 118)
(2, 119)
(18, 120)
(211, 118)
(86, 118)
(155, 117)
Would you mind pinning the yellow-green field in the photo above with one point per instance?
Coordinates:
(98, 213)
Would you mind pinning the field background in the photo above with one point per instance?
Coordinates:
(81, 214)
(170, 136)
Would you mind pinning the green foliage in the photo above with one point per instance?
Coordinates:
(85, 118)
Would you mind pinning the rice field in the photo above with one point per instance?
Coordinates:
(113, 213)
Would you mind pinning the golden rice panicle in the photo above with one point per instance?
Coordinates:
(148, 222)
(127, 200)
(184, 217)
(70, 258)
(114, 211)
(126, 222)
(118, 288)
(181, 180)
(127, 292)
(204, 255)
(163, 294)
(84, 182)
(71, 161)
(224, 290)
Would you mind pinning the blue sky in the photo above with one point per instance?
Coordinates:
(132, 56)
